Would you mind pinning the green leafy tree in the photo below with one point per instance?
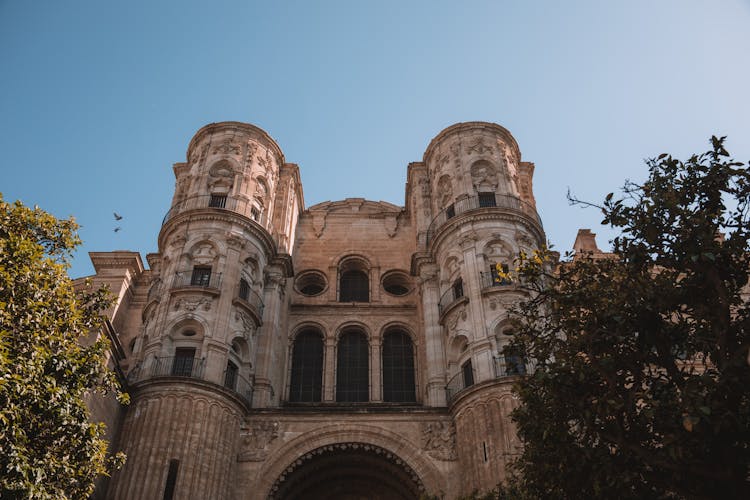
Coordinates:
(48, 448)
(642, 384)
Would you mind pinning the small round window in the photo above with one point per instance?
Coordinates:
(396, 283)
(311, 283)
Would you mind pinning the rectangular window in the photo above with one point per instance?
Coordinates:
(201, 276)
(218, 201)
(450, 212)
(184, 358)
(468, 373)
(230, 376)
(497, 280)
(458, 289)
(487, 200)
(244, 289)
(174, 466)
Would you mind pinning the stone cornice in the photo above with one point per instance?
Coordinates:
(493, 213)
(246, 128)
(465, 127)
(117, 260)
(210, 214)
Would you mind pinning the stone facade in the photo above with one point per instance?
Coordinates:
(351, 349)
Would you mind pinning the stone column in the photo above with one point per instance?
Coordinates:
(480, 345)
(433, 333)
(268, 358)
(329, 368)
(376, 386)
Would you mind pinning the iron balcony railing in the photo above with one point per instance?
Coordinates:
(169, 366)
(460, 381)
(504, 366)
(485, 200)
(191, 278)
(450, 296)
(239, 384)
(252, 298)
(489, 280)
(242, 207)
(181, 366)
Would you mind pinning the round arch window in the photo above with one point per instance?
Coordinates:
(311, 283)
(396, 283)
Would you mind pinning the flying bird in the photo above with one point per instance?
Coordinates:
(117, 228)
(117, 216)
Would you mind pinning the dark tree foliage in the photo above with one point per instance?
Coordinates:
(48, 448)
(642, 385)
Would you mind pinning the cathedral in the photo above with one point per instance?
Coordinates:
(348, 350)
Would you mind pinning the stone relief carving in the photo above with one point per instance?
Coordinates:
(319, 223)
(192, 303)
(439, 440)
(204, 254)
(245, 323)
(455, 149)
(183, 186)
(198, 155)
(178, 241)
(227, 147)
(251, 148)
(256, 437)
(391, 225)
(235, 241)
(455, 318)
(445, 190)
(484, 176)
(477, 146)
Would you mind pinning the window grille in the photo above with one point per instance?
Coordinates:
(201, 276)
(230, 376)
(487, 200)
(353, 371)
(244, 289)
(496, 279)
(218, 201)
(468, 373)
(355, 287)
(307, 368)
(450, 212)
(458, 289)
(184, 358)
(398, 368)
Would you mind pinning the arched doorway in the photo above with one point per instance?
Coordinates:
(348, 471)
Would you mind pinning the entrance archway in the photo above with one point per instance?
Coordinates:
(348, 471)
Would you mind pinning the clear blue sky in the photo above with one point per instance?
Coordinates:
(99, 98)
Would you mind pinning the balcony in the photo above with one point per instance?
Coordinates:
(481, 201)
(217, 202)
(206, 280)
(491, 280)
(250, 300)
(190, 368)
(450, 297)
(504, 367)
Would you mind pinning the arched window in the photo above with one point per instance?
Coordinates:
(398, 368)
(307, 367)
(355, 286)
(352, 368)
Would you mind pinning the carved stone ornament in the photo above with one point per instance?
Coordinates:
(455, 149)
(178, 241)
(247, 325)
(391, 225)
(236, 241)
(227, 147)
(256, 437)
(191, 304)
(459, 315)
(477, 146)
(251, 148)
(319, 223)
(484, 176)
(439, 440)
(445, 190)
